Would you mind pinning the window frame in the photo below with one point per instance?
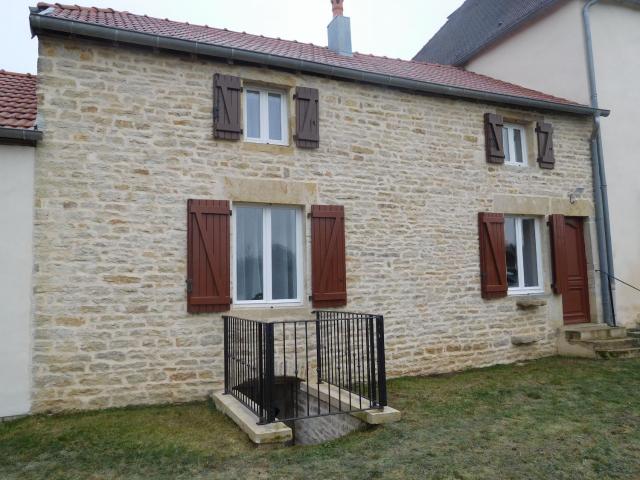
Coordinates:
(521, 289)
(511, 144)
(264, 116)
(267, 257)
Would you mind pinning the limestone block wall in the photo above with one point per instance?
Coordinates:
(129, 139)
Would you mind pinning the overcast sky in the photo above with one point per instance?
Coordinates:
(395, 28)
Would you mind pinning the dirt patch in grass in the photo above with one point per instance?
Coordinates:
(553, 418)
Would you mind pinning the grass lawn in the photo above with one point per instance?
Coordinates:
(553, 418)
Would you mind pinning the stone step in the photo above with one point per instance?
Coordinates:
(613, 343)
(619, 353)
(633, 332)
(590, 331)
(276, 432)
(345, 400)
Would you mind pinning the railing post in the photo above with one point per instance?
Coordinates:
(261, 382)
(318, 349)
(226, 354)
(372, 360)
(382, 376)
(269, 374)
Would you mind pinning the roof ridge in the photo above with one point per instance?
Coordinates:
(7, 72)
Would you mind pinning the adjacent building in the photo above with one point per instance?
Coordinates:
(18, 137)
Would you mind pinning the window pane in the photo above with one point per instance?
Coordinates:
(249, 253)
(275, 116)
(512, 251)
(283, 254)
(517, 137)
(253, 114)
(505, 143)
(529, 253)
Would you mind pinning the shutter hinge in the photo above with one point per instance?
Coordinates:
(189, 285)
(230, 212)
(216, 112)
(310, 298)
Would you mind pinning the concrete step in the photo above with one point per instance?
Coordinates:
(619, 353)
(591, 331)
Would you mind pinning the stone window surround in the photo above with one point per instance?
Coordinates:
(275, 192)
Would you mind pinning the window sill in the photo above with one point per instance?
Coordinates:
(269, 306)
(515, 165)
(285, 148)
(262, 142)
(525, 293)
(265, 311)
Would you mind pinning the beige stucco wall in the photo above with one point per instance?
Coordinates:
(549, 56)
(129, 141)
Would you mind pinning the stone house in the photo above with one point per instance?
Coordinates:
(592, 49)
(187, 171)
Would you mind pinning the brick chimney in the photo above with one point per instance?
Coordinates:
(339, 30)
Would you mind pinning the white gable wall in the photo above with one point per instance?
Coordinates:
(16, 263)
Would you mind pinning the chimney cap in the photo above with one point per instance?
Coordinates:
(338, 8)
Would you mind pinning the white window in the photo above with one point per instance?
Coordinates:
(515, 144)
(524, 263)
(268, 254)
(265, 116)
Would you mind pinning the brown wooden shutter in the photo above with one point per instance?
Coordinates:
(558, 253)
(546, 156)
(493, 137)
(307, 118)
(226, 107)
(208, 280)
(493, 258)
(328, 262)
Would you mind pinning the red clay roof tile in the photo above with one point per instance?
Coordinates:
(18, 102)
(425, 72)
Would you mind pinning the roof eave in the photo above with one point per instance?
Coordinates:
(20, 134)
(42, 23)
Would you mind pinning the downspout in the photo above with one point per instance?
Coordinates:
(603, 228)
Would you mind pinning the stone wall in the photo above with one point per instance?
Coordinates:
(129, 139)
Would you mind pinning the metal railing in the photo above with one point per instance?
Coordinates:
(291, 370)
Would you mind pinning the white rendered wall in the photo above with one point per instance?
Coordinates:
(16, 263)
